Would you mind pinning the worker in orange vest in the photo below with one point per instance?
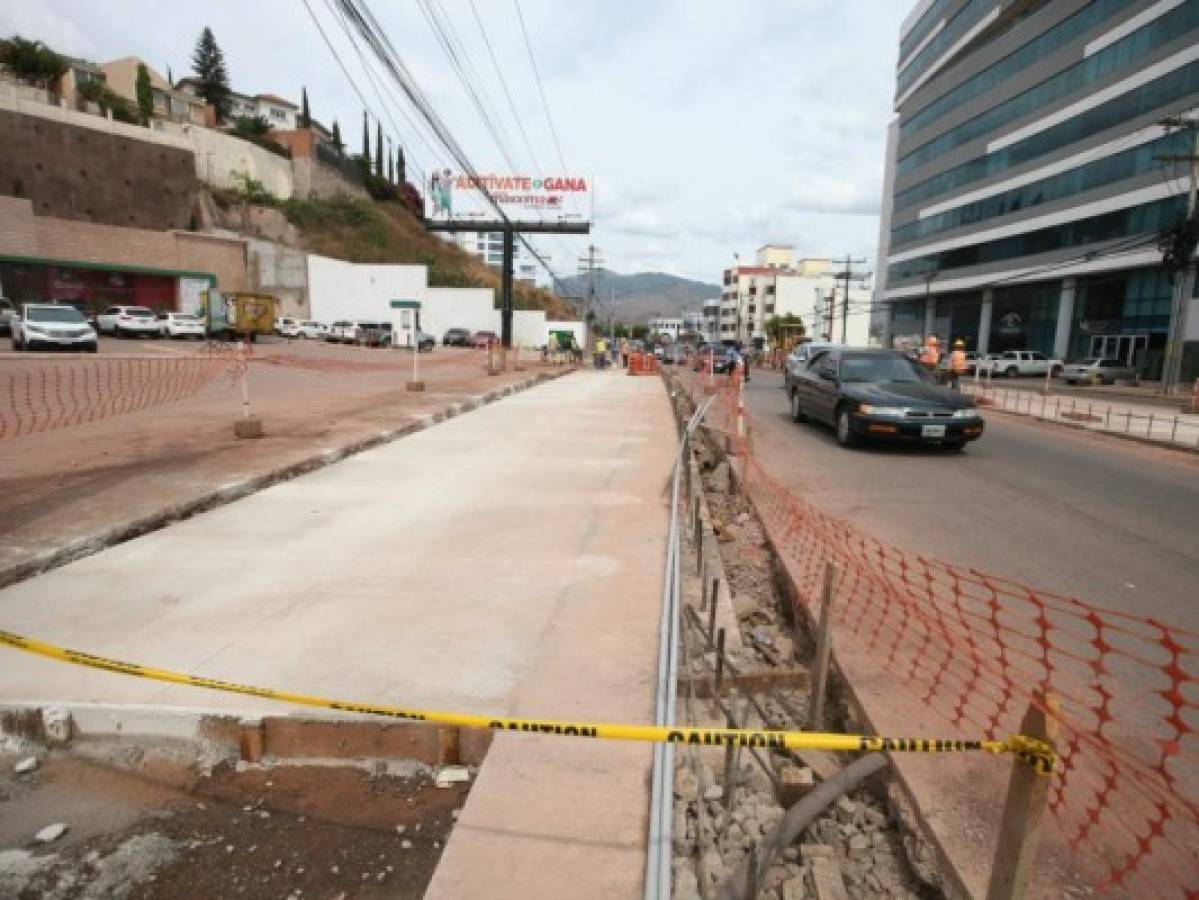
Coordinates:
(931, 355)
(957, 363)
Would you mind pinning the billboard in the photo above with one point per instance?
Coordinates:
(555, 194)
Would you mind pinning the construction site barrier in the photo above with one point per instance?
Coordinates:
(978, 648)
(1034, 752)
(39, 395)
(43, 393)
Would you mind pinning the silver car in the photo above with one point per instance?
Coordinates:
(799, 358)
(1098, 371)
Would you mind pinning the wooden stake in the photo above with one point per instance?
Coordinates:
(823, 648)
(1027, 799)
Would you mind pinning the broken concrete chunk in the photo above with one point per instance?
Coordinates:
(714, 792)
(26, 765)
(826, 880)
(51, 833)
(795, 783)
(859, 846)
(793, 889)
(846, 809)
(686, 785)
(448, 775)
(809, 852)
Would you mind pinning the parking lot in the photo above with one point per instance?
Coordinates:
(69, 481)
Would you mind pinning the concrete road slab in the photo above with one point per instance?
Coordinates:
(508, 561)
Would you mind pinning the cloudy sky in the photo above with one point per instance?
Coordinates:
(706, 127)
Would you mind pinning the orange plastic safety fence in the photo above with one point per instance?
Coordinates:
(977, 648)
(38, 395)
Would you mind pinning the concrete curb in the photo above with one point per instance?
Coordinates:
(94, 543)
(1080, 426)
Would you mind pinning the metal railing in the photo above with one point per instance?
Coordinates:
(661, 818)
(1164, 427)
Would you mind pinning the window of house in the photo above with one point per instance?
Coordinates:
(278, 113)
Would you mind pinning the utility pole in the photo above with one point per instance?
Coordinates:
(1184, 276)
(589, 265)
(847, 274)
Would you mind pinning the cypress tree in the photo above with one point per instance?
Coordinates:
(366, 144)
(337, 136)
(208, 62)
(401, 176)
(305, 117)
(379, 149)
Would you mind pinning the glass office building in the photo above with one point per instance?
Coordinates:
(1038, 151)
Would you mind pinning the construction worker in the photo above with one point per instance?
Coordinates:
(957, 363)
(624, 352)
(601, 352)
(931, 355)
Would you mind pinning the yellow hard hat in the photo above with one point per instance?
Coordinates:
(960, 343)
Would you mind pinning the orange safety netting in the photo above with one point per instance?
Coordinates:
(977, 649)
(39, 395)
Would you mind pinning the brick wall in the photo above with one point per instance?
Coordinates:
(82, 174)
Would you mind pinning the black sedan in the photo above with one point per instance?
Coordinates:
(883, 395)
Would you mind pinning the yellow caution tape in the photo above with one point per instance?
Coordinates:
(1034, 752)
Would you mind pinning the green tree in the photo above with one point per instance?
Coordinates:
(391, 167)
(208, 62)
(145, 94)
(305, 116)
(401, 174)
(31, 61)
(779, 328)
(639, 332)
(366, 145)
(337, 137)
(378, 149)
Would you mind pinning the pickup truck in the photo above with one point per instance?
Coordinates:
(1020, 362)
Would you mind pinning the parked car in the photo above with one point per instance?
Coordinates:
(286, 327)
(127, 321)
(425, 342)
(309, 330)
(883, 395)
(336, 331)
(799, 357)
(8, 312)
(52, 325)
(1094, 370)
(456, 337)
(484, 339)
(180, 325)
(1012, 363)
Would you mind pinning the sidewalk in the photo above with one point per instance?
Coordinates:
(1137, 421)
(510, 561)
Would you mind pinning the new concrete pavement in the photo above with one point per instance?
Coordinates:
(509, 560)
(1101, 519)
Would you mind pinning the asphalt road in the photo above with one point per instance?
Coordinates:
(1110, 522)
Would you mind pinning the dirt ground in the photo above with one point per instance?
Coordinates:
(300, 832)
(67, 484)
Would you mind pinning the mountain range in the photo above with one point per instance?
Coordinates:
(640, 297)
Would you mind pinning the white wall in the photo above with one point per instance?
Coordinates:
(528, 327)
(345, 290)
(219, 158)
(579, 329)
(444, 308)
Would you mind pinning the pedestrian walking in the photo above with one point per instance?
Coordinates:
(732, 361)
(931, 355)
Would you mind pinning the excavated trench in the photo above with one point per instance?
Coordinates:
(865, 845)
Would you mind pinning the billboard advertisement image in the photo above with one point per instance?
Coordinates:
(557, 195)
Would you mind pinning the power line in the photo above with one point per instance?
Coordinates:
(540, 89)
(504, 84)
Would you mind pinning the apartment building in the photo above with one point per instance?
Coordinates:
(489, 247)
(1038, 151)
(779, 284)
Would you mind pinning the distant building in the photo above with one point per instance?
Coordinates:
(779, 284)
(489, 247)
(169, 103)
(79, 72)
(275, 111)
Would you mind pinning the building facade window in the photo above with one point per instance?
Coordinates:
(1108, 170)
(1148, 218)
(1158, 93)
(1015, 62)
(1122, 54)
